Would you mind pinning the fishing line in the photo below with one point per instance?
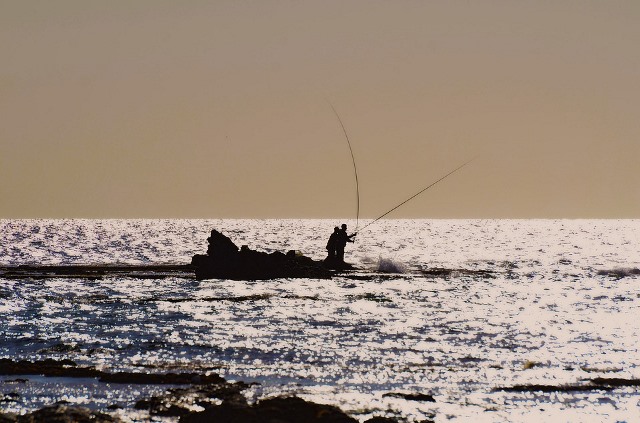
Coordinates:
(418, 193)
(353, 160)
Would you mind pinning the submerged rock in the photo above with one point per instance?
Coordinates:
(440, 272)
(224, 260)
(410, 397)
(554, 388)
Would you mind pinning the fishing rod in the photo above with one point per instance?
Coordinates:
(418, 193)
(353, 160)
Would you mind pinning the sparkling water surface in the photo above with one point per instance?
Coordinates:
(546, 314)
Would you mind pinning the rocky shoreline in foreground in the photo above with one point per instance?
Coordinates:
(191, 397)
(207, 397)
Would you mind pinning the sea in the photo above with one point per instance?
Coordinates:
(455, 309)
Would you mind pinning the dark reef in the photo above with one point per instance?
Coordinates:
(97, 271)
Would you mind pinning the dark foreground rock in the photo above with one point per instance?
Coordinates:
(8, 418)
(273, 410)
(224, 260)
(179, 401)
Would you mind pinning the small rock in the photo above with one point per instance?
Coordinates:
(10, 397)
(410, 397)
(16, 380)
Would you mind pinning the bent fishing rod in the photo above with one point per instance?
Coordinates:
(418, 193)
(353, 160)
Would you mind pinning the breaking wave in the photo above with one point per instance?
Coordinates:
(390, 266)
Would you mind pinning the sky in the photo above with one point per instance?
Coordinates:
(222, 109)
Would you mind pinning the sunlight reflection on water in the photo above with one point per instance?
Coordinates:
(346, 341)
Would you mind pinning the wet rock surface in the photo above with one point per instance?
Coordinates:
(224, 260)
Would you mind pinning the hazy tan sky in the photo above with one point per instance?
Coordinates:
(153, 108)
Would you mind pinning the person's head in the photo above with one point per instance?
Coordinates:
(344, 226)
(336, 229)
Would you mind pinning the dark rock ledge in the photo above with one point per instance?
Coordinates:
(68, 368)
(597, 384)
(224, 260)
(96, 271)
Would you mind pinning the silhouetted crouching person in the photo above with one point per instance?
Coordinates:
(342, 240)
(332, 244)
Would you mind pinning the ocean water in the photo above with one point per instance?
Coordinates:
(546, 310)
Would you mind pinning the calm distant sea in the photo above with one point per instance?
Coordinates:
(546, 311)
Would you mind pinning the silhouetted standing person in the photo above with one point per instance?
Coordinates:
(342, 240)
(332, 244)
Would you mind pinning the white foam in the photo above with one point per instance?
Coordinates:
(386, 265)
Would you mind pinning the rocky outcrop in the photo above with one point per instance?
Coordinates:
(224, 260)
